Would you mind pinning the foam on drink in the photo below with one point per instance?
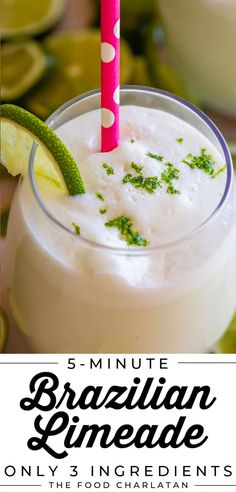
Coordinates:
(160, 216)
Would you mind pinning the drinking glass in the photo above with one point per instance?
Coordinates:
(174, 297)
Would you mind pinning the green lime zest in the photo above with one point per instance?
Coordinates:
(76, 229)
(137, 167)
(102, 211)
(149, 184)
(100, 196)
(62, 159)
(125, 227)
(168, 176)
(155, 156)
(179, 140)
(221, 170)
(204, 161)
(109, 169)
(171, 190)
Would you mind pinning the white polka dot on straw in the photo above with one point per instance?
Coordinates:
(108, 118)
(117, 29)
(116, 95)
(108, 52)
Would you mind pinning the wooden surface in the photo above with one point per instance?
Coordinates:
(79, 13)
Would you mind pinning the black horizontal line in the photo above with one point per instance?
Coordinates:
(208, 362)
(216, 485)
(24, 485)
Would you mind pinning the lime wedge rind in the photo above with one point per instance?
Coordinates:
(3, 331)
(60, 157)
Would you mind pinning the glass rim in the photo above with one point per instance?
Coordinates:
(134, 251)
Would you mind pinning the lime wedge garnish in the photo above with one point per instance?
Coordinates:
(23, 65)
(77, 70)
(19, 129)
(227, 344)
(3, 331)
(28, 17)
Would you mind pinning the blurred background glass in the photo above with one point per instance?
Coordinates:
(201, 36)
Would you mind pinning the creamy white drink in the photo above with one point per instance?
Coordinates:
(201, 35)
(135, 276)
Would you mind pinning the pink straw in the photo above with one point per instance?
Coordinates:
(110, 68)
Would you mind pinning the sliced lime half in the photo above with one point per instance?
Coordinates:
(28, 17)
(77, 70)
(23, 65)
(19, 129)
